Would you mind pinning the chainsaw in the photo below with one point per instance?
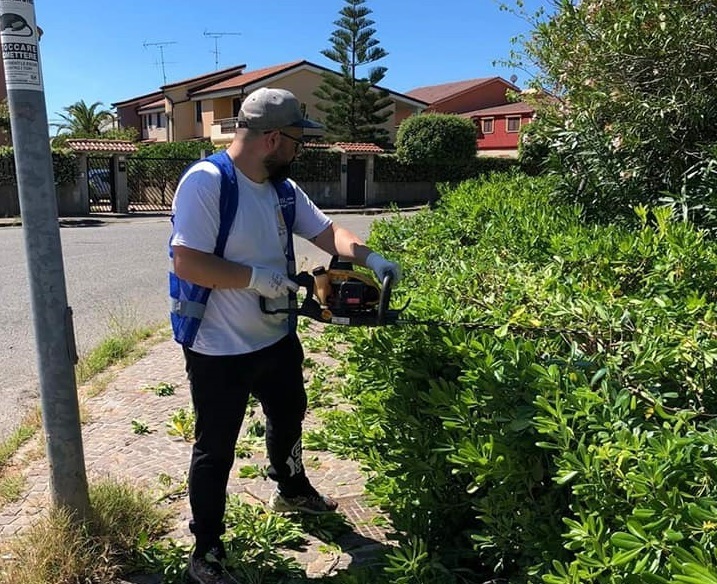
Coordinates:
(341, 295)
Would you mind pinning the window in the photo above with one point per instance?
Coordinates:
(198, 111)
(160, 120)
(512, 124)
(487, 125)
(236, 106)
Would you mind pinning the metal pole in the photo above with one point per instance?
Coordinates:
(52, 317)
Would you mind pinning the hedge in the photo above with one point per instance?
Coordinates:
(64, 166)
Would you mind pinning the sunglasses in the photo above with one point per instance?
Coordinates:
(298, 142)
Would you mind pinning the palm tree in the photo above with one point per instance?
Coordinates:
(84, 121)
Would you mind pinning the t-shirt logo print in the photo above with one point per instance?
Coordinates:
(281, 227)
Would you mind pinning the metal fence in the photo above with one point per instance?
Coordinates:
(152, 181)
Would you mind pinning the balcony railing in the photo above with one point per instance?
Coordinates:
(223, 129)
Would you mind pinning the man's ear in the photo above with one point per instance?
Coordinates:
(273, 140)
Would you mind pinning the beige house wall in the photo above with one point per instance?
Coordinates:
(183, 125)
(222, 110)
(156, 134)
(302, 84)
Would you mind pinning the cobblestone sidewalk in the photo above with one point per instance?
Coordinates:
(112, 449)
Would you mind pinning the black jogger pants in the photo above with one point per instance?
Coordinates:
(220, 388)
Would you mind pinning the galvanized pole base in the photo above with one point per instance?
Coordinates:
(52, 317)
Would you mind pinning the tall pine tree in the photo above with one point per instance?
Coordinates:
(354, 109)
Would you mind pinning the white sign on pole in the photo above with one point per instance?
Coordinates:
(19, 45)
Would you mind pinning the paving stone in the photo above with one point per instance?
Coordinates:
(113, 450)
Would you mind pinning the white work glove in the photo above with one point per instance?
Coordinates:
(270, 283)
(381, 267)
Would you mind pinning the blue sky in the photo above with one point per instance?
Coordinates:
(96, 50)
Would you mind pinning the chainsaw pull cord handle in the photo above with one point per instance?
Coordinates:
(384, 299)
(303, 279)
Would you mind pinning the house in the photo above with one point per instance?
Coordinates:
(206, 106)
(483, 100)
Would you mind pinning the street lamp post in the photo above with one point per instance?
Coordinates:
(52, 317)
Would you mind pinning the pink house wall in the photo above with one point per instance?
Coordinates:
(500, 138)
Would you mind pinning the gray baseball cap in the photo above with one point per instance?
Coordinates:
(269, 108)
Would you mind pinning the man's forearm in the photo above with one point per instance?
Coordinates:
(209, 270)
(342, 242)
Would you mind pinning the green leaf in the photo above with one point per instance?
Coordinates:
(599, 374)
(567, 477)
(622, 558)
(625, 541)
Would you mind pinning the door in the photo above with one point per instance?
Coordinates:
(356, 182)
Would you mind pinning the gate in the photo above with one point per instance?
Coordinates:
(151, 182)
(356, 182)
(101, 184)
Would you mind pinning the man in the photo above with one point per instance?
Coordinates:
(238, 349)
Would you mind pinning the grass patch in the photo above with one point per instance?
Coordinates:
(100, 549)
(12, 485)
(119, 348)
(12, 482)
(26, 431)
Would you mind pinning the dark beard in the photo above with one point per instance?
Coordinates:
(276, 170)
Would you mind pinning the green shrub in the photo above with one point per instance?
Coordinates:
(390, 168)
(570, 439)
(533, 148)
(189, 150)
(317, 164)
(64, 166)
(436, 139)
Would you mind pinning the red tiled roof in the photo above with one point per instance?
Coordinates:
(140, 100)
(359, 147)
(518, 107)
(153, 105)
(222, 73)
(247, 78)
(92, 145)
(434, 93)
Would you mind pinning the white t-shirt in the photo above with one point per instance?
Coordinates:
(233, 322)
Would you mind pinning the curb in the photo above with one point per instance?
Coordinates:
(98, 219)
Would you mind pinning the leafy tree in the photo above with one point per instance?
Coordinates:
(83, 121)
(355, 109)
(635, 119)
(436, 140)
(131, 134)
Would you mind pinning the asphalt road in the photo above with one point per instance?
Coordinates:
(116, 276)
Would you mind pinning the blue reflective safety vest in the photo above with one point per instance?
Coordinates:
(188, 301)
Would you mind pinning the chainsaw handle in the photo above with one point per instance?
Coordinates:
(303, 279)
(384, 299)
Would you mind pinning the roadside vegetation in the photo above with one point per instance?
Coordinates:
(60, 550)
(571, 437)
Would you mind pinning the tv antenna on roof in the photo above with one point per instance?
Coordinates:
(215, 36)
(161, 54)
